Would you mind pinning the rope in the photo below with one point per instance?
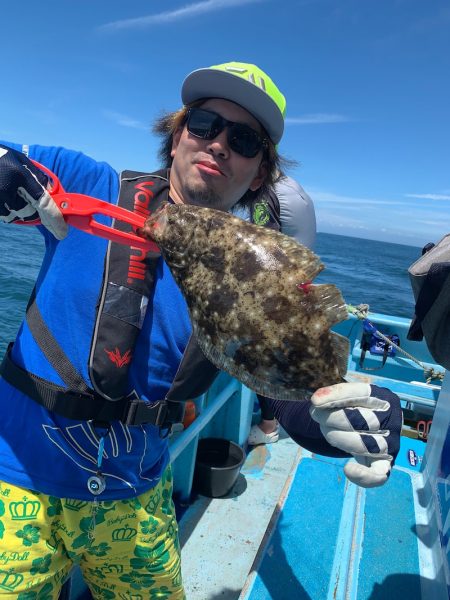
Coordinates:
(362, 310)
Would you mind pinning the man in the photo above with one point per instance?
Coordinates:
(104, 356)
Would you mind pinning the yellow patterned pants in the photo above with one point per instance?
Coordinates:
(126, 549)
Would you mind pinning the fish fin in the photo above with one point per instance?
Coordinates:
(309, 265)
(331, 303)
(257, 385)
(341, 346)
(313, 267)
(277, 393)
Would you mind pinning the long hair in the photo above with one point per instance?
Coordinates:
(168, 123)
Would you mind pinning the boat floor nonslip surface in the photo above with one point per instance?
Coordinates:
(294, 528)
(220, 537)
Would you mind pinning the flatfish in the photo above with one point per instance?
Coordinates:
(253, 308)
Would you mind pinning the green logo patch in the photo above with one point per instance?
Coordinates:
(261, 214)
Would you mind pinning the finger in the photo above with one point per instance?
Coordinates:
(372, 474)
(347, 394)
(24, 213)
(50, 215)
(362, 444)
(347, 419)
(334, 395)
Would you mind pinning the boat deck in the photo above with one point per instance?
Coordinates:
(293, 527)
(220, 537)
(314, 535)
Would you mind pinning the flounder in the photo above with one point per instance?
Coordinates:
(253, 308)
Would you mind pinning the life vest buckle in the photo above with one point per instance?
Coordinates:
(137, 411)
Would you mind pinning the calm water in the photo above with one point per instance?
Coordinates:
(367, 272)
(21, 251)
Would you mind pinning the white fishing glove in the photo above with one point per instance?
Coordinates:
(365, 421)
(23, 193)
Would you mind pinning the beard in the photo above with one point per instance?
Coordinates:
(204, 197)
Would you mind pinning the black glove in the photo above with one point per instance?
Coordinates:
(365, 421)
(23, 193)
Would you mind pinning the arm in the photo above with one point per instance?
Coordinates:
(77, 172)
(296, 420)
(24, 195)
(348, 419)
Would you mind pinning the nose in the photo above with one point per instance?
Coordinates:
(219, 145)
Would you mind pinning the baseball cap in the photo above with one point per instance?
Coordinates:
(245, 84)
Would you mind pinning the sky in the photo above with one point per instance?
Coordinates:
(366, 81)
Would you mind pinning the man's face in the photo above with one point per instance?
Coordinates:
(208, 172)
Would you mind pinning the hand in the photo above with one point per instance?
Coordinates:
(23, 193)
(365, 421)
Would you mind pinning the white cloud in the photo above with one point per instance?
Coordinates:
(332, 219)
(124, 120)
(432, 223)
(185, 12)
(317, 119)
(429, 196)
(421, 214)
(329, 197)
(379, 218)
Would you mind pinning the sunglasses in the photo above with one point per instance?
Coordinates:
(241, 138)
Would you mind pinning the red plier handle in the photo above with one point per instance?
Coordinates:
(79, 211)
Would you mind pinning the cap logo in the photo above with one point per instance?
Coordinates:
(251, 76)
(261, 83)
(235, 69)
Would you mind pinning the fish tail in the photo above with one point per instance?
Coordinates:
(331, 302)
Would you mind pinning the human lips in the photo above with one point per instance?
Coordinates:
(209, 167)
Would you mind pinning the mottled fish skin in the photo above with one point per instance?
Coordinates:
(250, 316)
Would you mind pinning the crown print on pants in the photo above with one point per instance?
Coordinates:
(25, 510)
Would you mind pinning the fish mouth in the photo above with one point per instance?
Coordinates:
(155, 224)
(210, 168)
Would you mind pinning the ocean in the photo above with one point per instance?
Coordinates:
(366, 272)
(369, 272)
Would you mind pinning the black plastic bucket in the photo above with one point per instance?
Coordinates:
(217, 466)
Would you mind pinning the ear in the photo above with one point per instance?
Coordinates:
(176, 140)
(260, 177)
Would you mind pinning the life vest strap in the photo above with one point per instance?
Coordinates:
(86, 406)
